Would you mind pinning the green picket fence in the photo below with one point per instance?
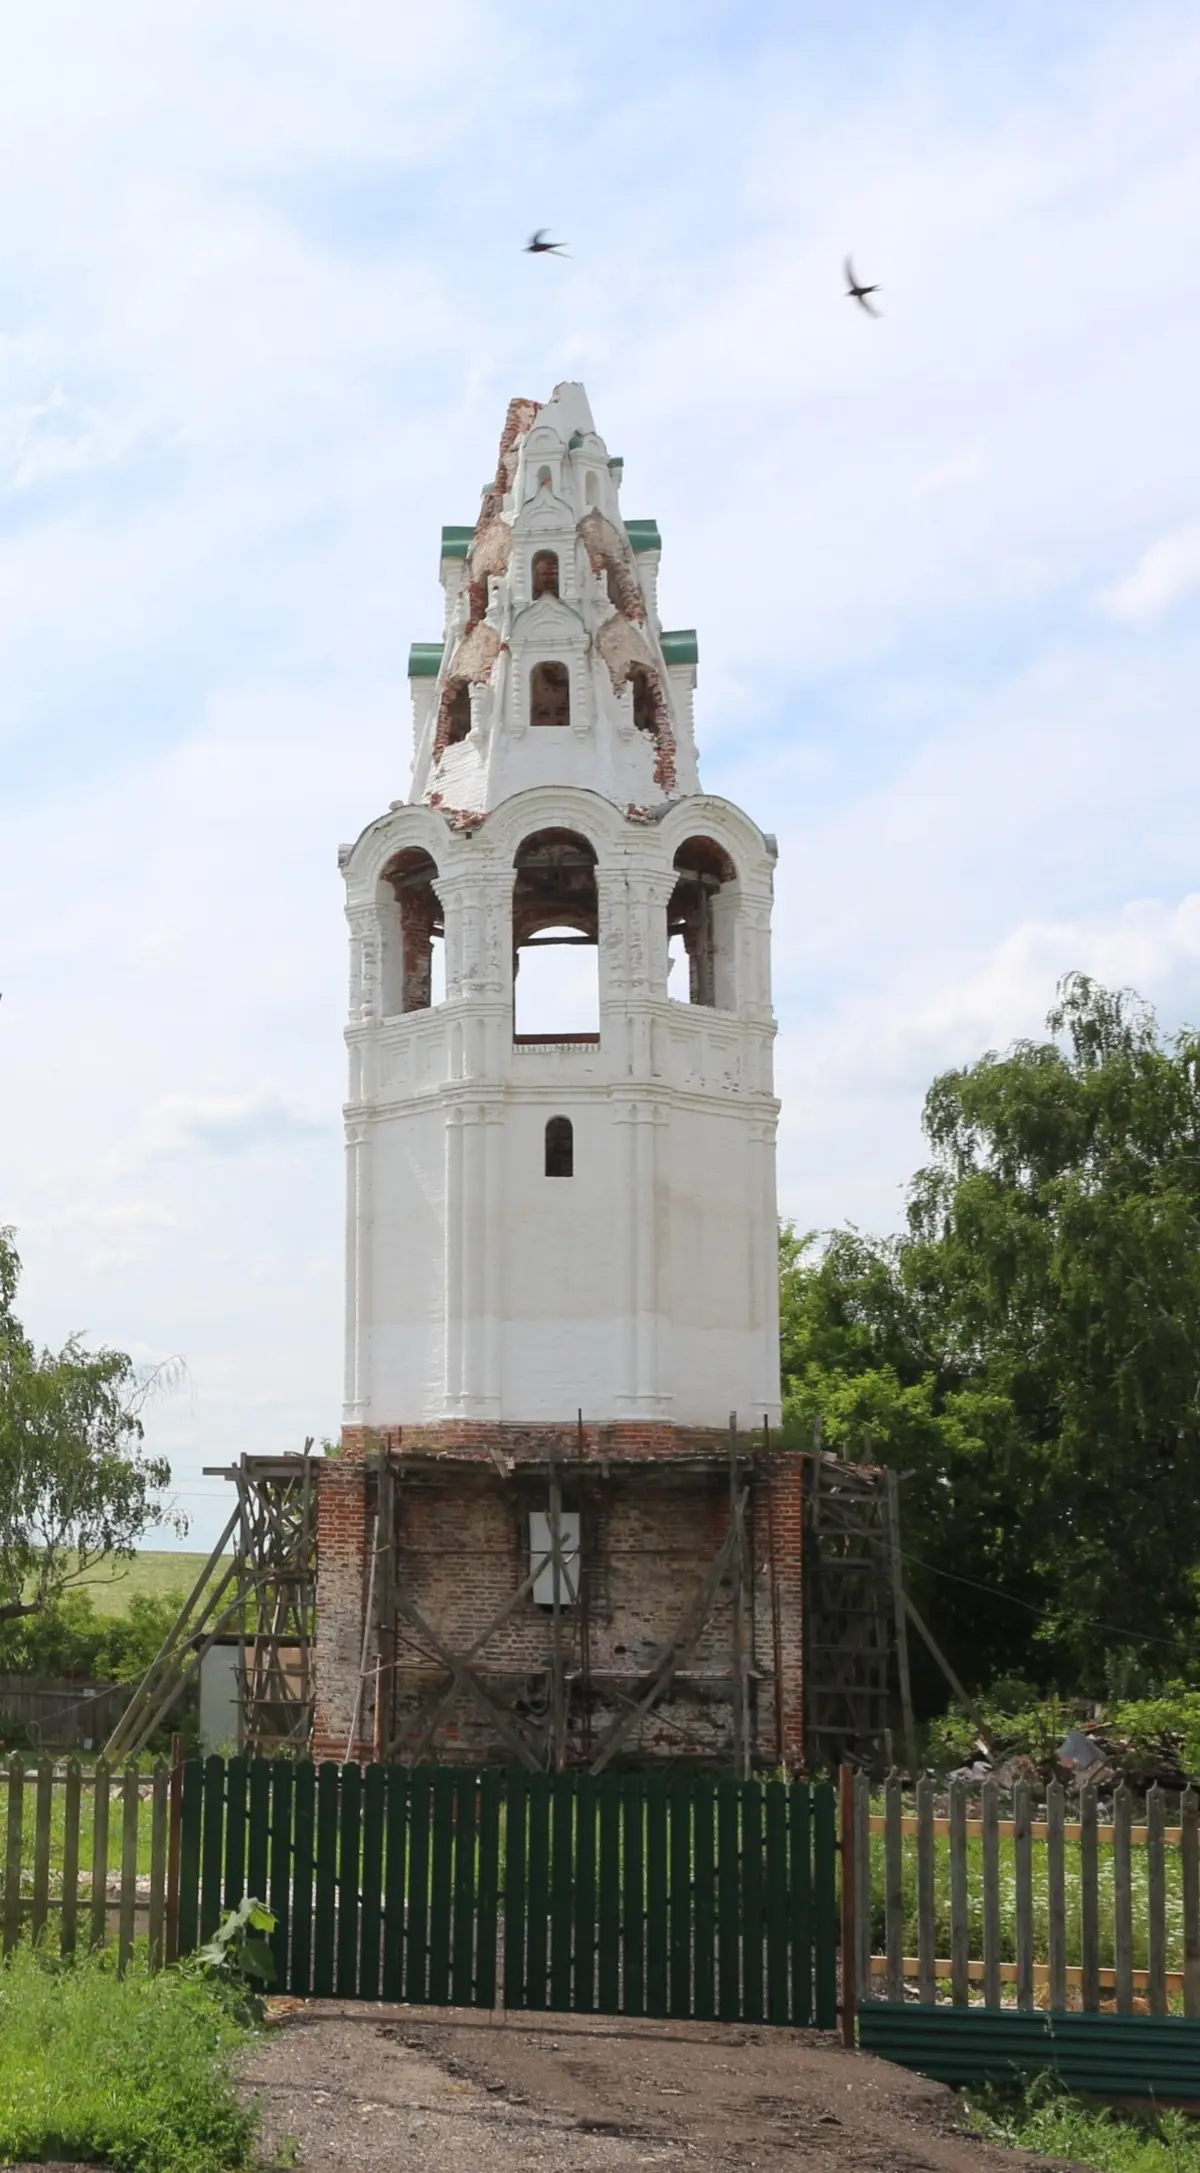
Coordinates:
(636, 1894)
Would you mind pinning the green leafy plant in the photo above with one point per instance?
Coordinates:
(134, 2071)
(239, 1959)
(1047, 2119)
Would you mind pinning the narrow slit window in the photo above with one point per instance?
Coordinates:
(560, 1147)
(544, 574)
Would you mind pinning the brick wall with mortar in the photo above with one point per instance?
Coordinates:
(648, 1538)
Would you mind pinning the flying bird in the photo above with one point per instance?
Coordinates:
(538, 246)
(860, 293)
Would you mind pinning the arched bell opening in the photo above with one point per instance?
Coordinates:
(560, 1147)
(702, 925)
(556, 933)
(413, 924)
(549, 695)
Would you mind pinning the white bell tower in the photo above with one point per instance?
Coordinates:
(538, 1224)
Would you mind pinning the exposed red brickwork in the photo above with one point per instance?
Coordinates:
(648, 1538)
(479, 1443)
(609, 553)
(343, 1530)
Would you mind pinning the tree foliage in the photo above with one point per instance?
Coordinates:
(1027, 1351)
(76, 1483)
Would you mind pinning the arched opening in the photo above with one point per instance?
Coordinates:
(549, 695)
(560, 1147)
(412, 925)
(645, 708)
(701, 925)
(591, 489)
(545, 481)
(458, 721)
(556, 926)
(454, 717)
(543, 574)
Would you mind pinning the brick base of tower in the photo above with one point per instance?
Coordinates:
(654, 1501)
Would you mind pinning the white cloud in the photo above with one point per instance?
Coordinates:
(224, 1123)
(960, 468)
(1165, 575)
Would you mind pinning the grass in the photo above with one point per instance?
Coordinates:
(135, 2070)
(160, 1573)
(1041, 1899)
(1046, 2119)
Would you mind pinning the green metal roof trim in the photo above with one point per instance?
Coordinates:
(456, 542)
(425, 659)
(575, 441)
(643, 535)
(1112, 2055)
(617, 465)
(680, 647)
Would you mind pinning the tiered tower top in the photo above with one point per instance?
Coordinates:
(553, 668)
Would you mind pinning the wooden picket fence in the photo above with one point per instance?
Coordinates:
(86, 1855)
(1034, 1907)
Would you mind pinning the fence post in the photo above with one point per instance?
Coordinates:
(173, 1836)
(849, 1897)
(1189, 1843)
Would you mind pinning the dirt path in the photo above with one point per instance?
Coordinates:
(414, 2090)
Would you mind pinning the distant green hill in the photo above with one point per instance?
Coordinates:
(158, 1572)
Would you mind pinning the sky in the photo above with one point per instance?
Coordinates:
(263, 302)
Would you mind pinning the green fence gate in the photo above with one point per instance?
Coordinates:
(636, 1894)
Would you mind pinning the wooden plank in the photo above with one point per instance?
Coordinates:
(160, 1817)
(280, 1875)
(991, 1894)
(608, 1901)
(862, 1881)
(960, 1920)
(491, 1791)
(12, 1853)
(371, 1933)
(174, 1835)
(1189, 1833)
(1122, 1900)
(825, 1905)
(679, 1902)
(395, 1878)
(729, 1902)
(43, 1816)
(516, 1905)
(583, 1986)
(704, 1899)
(258, 1828)
(926, 1895)
(537, 1888)
(801, 1909)
(212, 1846)
(1041, 1974)
(324, 1958)
(1089, 1901)
(99, 1899)
(1056, 1895)
(1023, 1853)
(633, 1900)
(441, 1885)
(562, 1854)
(349, 1842)
(1072, 1829)
(130, 1814)
(776, 1901)
(657, 2002)
(462, 1931)
(304, 1849)
(893, 1886)
(420, 1841)
(70, 1865)
(753, 1899)
(1156, 1900)
(191, 1807)
(235, 1832)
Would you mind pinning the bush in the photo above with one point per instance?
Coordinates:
(134, 2070)
(1134, 1732)
(1047, 2119)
